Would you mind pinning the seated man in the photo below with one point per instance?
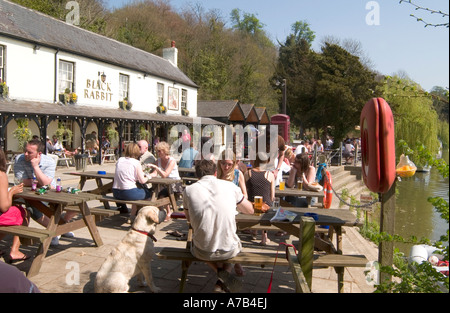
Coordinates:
(210, 206)
(43, 167)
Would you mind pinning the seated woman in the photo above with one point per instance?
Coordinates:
(261, 182)
(11, 215)
(166, 167)
(129, 179)
(228, 170)
(302, 169)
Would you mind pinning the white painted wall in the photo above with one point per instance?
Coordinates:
(30, 75)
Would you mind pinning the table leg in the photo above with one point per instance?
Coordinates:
(306, 247)
(339, 270)
(90, 223)
(81, 183)
(99, 186)
(43, 247)
(173, 201)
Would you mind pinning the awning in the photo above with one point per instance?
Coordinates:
(71, 111)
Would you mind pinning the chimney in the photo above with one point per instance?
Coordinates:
(171, 54)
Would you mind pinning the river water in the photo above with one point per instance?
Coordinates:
(414, 215)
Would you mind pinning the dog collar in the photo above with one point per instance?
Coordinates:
(145, 233)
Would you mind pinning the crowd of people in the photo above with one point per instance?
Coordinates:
(225, 186)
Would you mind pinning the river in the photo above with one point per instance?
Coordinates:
(414, 215)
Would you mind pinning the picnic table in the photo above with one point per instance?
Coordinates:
(335, 219)
(104, 189)
(52, 204)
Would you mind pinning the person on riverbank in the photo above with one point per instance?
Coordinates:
(210, 206)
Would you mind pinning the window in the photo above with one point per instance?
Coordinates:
(124, 82)
(160, 98)
(2, 63)
(183, 99)
(127, 132)
(66, 76)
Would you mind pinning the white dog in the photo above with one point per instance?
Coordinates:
(132, 256)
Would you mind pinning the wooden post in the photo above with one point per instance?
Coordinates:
(387, 225)
(306, 247)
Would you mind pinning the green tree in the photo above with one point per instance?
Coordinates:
(297, 65)
(414, 115)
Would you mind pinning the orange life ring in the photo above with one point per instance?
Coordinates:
(377, 145)
(328, 192)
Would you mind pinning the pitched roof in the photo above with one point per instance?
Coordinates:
(228, 110)
(263, 116)
(249, 112)
(25, 24)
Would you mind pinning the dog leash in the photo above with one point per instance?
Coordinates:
(276, 257)
(145, 233)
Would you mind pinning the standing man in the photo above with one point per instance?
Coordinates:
(210, 206)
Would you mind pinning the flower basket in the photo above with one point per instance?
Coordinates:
(185, 112)
(68, 97)
(4, 90)
(161, 109)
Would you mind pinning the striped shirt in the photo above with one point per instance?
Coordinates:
(24, 170)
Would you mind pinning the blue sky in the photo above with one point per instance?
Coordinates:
(398, 43)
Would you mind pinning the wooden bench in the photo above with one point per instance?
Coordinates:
(30, 234)
(267, 258)
(100, 213)
(139, 203)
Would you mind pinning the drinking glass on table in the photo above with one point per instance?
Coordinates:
(258, 205)
(300, 184)
(282, 184)
(276, 203)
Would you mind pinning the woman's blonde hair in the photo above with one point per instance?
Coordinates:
(227, 155)
(133, 151)
(163, 146)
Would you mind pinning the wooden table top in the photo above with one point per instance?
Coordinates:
(331, 217)
(297, 193)
(52, 196)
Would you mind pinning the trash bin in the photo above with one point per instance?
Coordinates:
(80, 162)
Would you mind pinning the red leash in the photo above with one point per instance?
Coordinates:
(276, 257)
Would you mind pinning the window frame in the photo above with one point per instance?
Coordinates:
(122, 92)
(2, 62)
(71, 82)
(159, 94)
(183, 103)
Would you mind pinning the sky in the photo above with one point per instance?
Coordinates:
(393, 40)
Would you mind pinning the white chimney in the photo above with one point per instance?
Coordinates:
(171, 54)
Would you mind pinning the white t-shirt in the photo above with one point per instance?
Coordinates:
(284, 168)
(211, 203)
(300, 149)
(126, 174)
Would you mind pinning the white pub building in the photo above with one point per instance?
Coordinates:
(57, 75)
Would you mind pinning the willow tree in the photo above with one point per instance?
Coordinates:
(414, 115)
